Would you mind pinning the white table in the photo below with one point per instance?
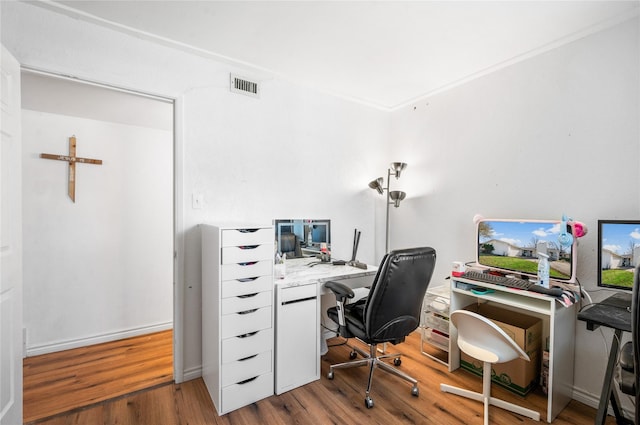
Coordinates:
(558, 325)
(298, 312)
(302, 271)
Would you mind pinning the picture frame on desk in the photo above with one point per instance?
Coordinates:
(618, 253)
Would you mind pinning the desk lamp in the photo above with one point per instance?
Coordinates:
(393, 197)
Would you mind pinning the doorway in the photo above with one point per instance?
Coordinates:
(101, 267)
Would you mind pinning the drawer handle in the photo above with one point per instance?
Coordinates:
(248, 311)
(248, 230)
(246, 381)
(299, 300)
(248, 246)
(247, 358)
(248, 295)
(246, 279)
(247, 335)
(249, 263)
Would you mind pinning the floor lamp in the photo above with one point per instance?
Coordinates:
(393, 197)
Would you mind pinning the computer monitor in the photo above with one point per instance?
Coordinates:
(511, 247)
(618, 253)
(311, 233)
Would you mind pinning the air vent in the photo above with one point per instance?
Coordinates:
(244, 86)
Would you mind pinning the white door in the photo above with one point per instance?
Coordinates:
(10, 244)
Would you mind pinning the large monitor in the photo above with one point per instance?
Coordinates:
(311, 234)
(511, 247)
(618, 252)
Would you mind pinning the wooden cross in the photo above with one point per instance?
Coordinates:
(71, 159)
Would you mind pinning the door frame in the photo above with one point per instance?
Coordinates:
(178, 215)
(11, 276)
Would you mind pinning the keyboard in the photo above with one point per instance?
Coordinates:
(511, 282)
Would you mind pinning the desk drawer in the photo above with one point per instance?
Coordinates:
(252, 236)
(246, 270)
(240, 347)
(238, 395)
(294, 293)
(244, 303)
(236, 287)
(436, 338)
(247, 253)
(247, 368)
(240, 324)
(436, 321)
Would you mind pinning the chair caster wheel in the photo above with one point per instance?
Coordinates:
(415, 392)
(368, 402)
(330, 375)
(353, 355)
(397, 361)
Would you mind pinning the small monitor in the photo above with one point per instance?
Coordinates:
(511, 246)
(618, 253)
(319, 232)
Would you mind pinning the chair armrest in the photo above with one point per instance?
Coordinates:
(626, 356)
(340, 290)
(342, 293)
(626, 377)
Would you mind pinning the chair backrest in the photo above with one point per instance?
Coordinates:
(290, 245)
(482, 339)
(394, 304)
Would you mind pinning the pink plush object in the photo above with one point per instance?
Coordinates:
(579, 229)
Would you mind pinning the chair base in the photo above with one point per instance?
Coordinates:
(373, 360)
(486, 398)
(492, 401)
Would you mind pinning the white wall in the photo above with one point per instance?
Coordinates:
(101, 267)
(535, 140)
(292, 153)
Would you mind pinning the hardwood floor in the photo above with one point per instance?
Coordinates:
(66, 380)
(340, 401)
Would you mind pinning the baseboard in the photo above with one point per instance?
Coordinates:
(585, 398)
(593, 401)
(37, 350)
(192, 373)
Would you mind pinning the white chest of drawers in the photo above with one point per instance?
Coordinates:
(237, 314)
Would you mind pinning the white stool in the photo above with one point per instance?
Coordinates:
(482, 339)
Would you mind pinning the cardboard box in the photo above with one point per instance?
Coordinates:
(518, 376)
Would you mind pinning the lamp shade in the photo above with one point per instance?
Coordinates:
(377, 185)
(397, 196)
(397, 168)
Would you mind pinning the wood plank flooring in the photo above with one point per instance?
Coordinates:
(340, 401)
(66, 380)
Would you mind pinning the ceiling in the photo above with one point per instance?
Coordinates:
(386, 54)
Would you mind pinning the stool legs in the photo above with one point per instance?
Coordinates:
(486, 398)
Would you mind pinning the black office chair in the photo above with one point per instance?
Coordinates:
(389, 313)
(290, 245)
(630, 354)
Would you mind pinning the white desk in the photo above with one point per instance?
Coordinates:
(558, 324)
(298, 314)
(302, 271)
